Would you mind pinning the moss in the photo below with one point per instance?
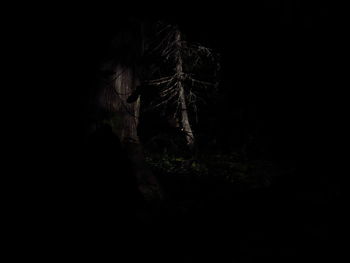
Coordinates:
(232, 168)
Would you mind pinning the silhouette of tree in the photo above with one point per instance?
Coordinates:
(184, 65)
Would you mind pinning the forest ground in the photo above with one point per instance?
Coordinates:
(205, 219)
(291, 218)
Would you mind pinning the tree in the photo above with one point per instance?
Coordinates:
(119, 79)
(127, 68)
(184, 63)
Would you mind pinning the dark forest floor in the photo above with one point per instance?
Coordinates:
(202, 218)
(207, 220)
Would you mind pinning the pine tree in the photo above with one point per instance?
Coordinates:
(183, 86)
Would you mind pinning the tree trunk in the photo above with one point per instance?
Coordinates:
(112, 100)
(182, 98)
(125, 83)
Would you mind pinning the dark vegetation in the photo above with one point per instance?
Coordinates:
(249, 190)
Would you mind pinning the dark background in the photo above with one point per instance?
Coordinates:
(280, 66)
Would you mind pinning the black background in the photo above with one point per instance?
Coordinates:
(280, 61)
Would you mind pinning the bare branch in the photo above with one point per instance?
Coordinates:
(164, 102)
(159, 81)
(195, 81)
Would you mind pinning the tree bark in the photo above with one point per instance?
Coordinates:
(182, 97)
(112, 100)
(125, 84)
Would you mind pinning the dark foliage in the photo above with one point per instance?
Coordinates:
(256, 188)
